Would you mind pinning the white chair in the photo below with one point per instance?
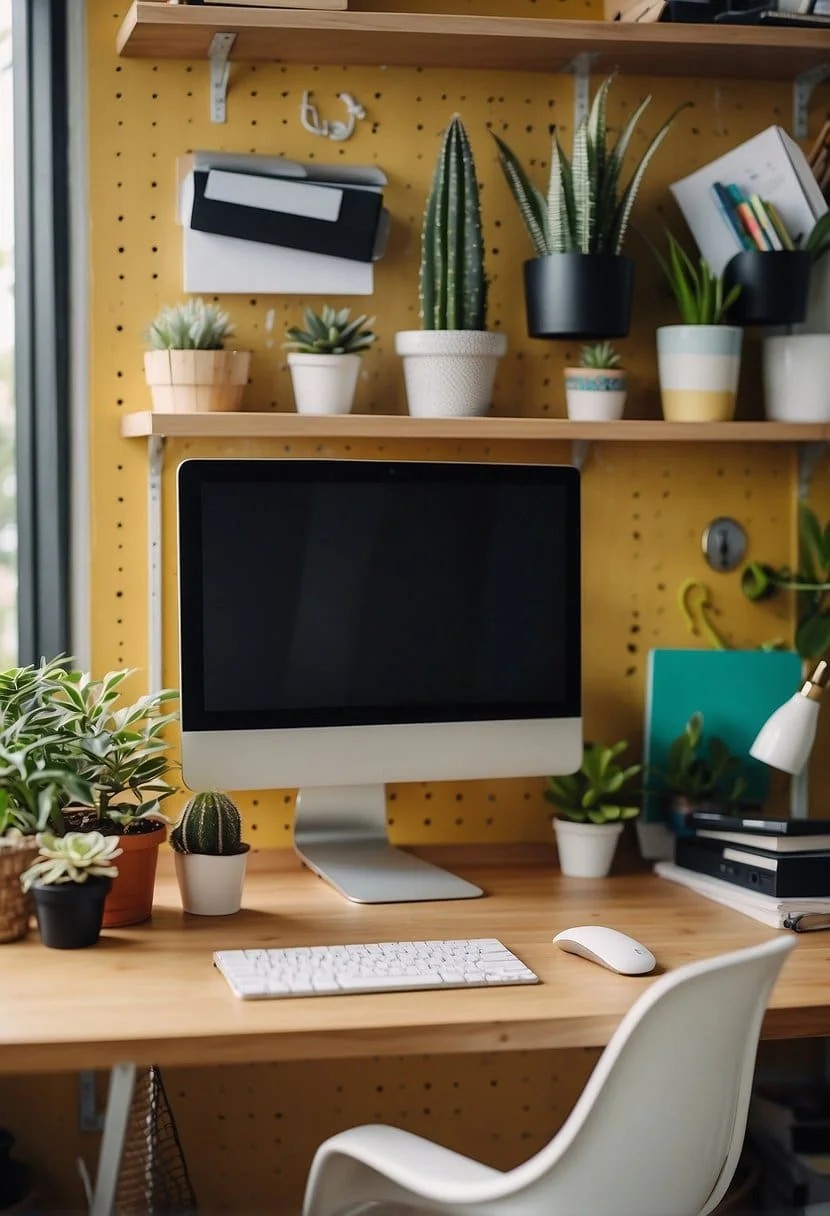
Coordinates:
(657, 1131)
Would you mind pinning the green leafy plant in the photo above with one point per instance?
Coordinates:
(599, 356)
(810, 582)
(210, 824)
(698, 292)
(586, 210)
(75, 857)
(192, 325)
(597, 793)
(453, 287)
(818, 239)
(703, 772)
(66, 738)
(331, 332)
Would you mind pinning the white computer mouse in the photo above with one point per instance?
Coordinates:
(608, 947)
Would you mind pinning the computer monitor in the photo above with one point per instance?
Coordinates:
(347, 623)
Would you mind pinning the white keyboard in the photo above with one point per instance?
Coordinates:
(372, 967)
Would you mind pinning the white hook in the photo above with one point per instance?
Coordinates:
(333, 130)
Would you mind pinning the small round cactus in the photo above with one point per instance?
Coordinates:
(210, 823)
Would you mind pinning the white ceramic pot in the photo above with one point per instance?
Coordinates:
(586, 850)
(190, 381)
(323, 384)
(595, 395)
(449, 373)
(797, 378)
(699, 367)
(211, 886)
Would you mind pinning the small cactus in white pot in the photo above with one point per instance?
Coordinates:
(324, 359)
(188, 368)
(210, 856)
(595, 391)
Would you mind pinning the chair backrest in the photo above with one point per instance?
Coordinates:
(660, 1124)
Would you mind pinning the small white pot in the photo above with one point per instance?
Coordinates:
(449, 373)
(211, 886)
(797, 378)
(190, 381)
(595, 395)
(699, 367)
(323, 384)
(586, 850)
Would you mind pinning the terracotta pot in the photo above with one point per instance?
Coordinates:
(131, 899)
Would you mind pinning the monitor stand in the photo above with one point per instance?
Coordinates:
(340, 834)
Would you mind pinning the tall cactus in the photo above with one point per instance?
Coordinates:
(453, 289)
(210, 823)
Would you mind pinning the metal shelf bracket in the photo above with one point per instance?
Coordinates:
(155, 454)
(580, 68)
(803, 87)
(809, 455)
(220, 70)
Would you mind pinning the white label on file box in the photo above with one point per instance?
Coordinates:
(275, 194)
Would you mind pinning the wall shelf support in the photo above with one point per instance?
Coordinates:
(803, 88)
(220, 70)
(580, 68)
(809, 455)
(155, 454)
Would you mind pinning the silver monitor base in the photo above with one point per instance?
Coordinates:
(340, 834)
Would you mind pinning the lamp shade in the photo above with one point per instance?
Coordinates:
(786, 738)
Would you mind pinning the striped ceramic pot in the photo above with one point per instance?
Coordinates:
(595, 395)
(699, 367)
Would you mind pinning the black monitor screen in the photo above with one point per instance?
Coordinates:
(327, 592)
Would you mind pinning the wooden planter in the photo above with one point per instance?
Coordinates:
(191, 381)
(131, 899)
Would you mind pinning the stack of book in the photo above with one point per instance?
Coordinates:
(754, 221)
(777, 870)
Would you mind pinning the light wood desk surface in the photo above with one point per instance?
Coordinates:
(150, 994)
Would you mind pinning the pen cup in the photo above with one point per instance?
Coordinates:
(774, 286)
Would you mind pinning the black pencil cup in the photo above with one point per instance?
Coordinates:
(774, 286)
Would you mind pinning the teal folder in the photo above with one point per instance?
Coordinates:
(735, 690)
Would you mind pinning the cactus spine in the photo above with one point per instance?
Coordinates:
(453, 289)
(210, 823)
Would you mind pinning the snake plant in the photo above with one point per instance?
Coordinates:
(586, 209)
(453, 289)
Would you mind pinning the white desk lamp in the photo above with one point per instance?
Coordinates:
(786, 738)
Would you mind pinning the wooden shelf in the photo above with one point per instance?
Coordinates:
(244, 425)
(152, 30)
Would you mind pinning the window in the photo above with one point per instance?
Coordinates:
(8, 505)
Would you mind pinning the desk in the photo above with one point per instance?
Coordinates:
(149, 995)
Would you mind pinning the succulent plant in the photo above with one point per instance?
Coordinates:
(585, 210)
(453, 288)
(599, 356)
(331, 332)
(192, 325)
(595, 794)
(210, 824)
(703, 773)
(75, 857)
(698, 292)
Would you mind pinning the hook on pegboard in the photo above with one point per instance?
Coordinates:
(335, 129)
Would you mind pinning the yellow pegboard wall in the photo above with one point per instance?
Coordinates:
(644, 505)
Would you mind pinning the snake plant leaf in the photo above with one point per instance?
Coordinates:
(561, 206)
(583, 190)
(731, 296)
(598, 134)
(619, 225)
(683, 288)
(607, 203)
(529, 198)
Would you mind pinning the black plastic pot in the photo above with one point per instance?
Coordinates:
(69, 914)
(774, 286)
(579, 295)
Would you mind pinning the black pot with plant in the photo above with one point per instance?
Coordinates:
(70, 881)
(580, 283)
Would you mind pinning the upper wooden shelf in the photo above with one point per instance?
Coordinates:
(153, 30)
(248, 425)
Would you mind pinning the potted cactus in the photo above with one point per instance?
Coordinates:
(450, 363)
(324, 359)
(187, 368)
(210, 857)
(592, 806)
(69, 882)
(579, 284)
(595, 391)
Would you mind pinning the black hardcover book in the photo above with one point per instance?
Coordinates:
(786, 876)
(751, 823)
(352, 235)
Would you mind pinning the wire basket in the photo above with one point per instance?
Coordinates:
(15, 906)
(153, 1178)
